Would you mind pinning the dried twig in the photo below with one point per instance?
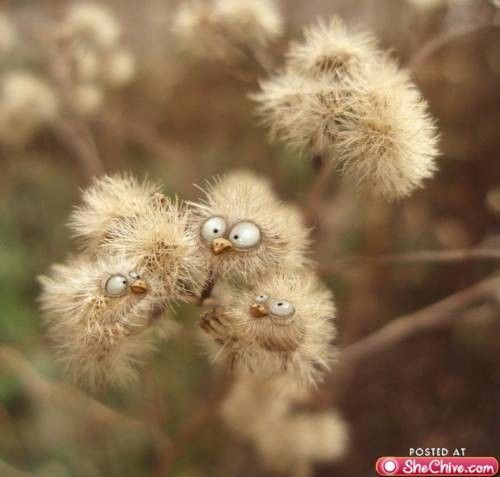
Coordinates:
(434, 316)
(78, 139)
(440, 40)
(425, 256)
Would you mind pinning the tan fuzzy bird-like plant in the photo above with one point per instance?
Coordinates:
(244, 231)
(100, 316)
(282, 326)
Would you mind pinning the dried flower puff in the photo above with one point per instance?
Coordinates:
(331, 49)
(244, 232)
(220, 27)
(108, 199)
(159, 239)
(93, 23)
(99, 317)
(283, 327)
(27, 103)
(377, 130)
(387, 144)
(258, 21)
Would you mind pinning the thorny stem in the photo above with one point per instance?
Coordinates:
(426, 256)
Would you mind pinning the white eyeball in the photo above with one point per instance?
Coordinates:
(245, 235)
(213, 228)
(282, 308)
(261, 298)
(116, 285)
(134, 275)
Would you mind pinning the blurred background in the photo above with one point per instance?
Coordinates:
(180, 118)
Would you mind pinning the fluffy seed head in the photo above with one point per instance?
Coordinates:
(302, 440)
(331, 49)
(221, 27)
(98, 317)
(284, 326)
(304, 113)
(244, 232)
(92, 23)
(387, 144)
(108, 200)
(377, 129)
(159, 239)
(27, 104)
(119, 68)
(255, 22)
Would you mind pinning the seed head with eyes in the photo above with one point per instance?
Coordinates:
(244, 231)
(285, 327)
(99, 318)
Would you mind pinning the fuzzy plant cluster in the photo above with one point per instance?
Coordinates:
(76, 63)
(141, 251)
(238, 247)
(341, 98)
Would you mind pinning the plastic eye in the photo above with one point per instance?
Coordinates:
(261, 298)
(134, 275)
(116, 285)
(213, 228)
(282, 308)
(245, 235)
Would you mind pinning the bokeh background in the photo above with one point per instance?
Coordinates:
(183, 119)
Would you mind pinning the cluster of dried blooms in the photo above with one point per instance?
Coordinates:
(141, 251)
(226, 28)
(91, 54)
(86, 59)
(273, 316)
(341, 98)
(238, 247)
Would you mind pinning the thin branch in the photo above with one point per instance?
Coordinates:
(79, 140)
(437, 315)
(425, 256)
(318, 187)
(440, 40)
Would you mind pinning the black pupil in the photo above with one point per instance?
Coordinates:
(216, 230)
(236, 237)
(124, 282)
(280, 304)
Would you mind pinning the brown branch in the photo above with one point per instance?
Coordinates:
(440, 40)
(79, 140)
(318, 187)
(426, 256)
(437, 315)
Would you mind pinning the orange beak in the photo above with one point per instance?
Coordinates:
(220, 245)
(139, 287)
(258, 311)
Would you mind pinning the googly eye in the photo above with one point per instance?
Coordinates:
(116, 285)
(261, 298)
(213, 228)
(134, 275)
(282, 308)
(245, 235)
